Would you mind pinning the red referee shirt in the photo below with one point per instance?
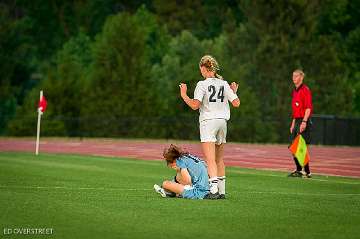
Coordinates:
(301, 100)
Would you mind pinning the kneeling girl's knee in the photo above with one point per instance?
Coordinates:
(165, 184)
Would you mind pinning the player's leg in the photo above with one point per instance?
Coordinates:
(307, 171)
(219, 156)
(298, 171)
(193, 193)
(219, 152)
(219, 149)
(208, 139)
(170, 188)
(173, 187)
(209, 153)
(307, 136)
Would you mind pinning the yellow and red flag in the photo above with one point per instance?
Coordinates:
(299, 149)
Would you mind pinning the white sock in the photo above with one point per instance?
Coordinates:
(213, 185)
(221, 184)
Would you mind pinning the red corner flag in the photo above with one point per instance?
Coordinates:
(41, 109)
(42, 104)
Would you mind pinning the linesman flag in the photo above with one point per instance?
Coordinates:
(299, 149)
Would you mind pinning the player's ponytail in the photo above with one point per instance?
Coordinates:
(218, 76)
(211, 64)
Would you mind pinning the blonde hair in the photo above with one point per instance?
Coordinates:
(211, 64)
(300, 72)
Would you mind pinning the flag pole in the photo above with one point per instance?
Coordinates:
(38, 126)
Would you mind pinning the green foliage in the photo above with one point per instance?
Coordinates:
(179, 65)
(340, 20)
(15, 63)
(245, 124)
(120, 85)
(63, 90)
(64, 83)
(205, 19)
(351, 57)
(111, 68)
(283, 39)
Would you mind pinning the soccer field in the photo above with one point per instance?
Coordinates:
(98, 197)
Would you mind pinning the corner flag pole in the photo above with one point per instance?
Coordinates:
(38, 126)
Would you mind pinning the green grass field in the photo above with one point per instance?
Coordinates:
(97, 197)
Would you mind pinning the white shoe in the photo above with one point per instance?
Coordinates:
(160, 190)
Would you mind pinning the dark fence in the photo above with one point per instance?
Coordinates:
(333, 130)
(326, 130)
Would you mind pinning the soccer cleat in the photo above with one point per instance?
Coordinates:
(307, 175)
(169, 194)
(160, 190)
(221, 196)
(212, 196)
(296, 174)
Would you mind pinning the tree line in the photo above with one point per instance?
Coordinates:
(112, 68)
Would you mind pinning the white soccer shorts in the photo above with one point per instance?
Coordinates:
(213, 130)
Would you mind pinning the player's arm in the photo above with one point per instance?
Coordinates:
(308, 106)
(307, 114)
(185, 176)
(231, 91)
(292, 125)
(192, 103)
(236, 103)
(305, 120)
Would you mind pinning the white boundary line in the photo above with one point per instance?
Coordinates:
(284, 176)
(302, 194)
(69, 188)
(143, 189)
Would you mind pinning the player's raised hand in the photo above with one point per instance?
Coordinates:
(183, 89)
(234, 86)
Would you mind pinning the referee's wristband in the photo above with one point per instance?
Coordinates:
(304, 121)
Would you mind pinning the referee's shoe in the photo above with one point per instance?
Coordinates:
(296, 174)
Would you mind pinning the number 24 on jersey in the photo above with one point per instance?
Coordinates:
(219, 95)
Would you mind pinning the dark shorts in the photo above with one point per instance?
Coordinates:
(306, 134)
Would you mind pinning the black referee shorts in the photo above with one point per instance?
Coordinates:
(306, 134)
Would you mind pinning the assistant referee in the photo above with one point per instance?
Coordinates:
(302, 109)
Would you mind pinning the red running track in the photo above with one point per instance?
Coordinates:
(340, 161)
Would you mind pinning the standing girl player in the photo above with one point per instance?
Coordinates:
(211, 97)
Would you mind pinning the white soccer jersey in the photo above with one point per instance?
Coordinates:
(214, 95)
